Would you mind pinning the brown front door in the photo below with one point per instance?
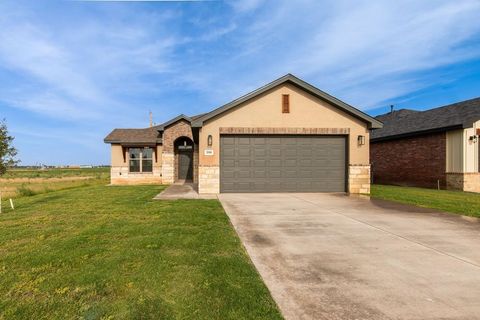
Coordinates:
(185, 164)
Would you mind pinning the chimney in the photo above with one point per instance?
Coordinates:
(151, 119)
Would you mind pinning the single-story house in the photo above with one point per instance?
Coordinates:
(286, 136)
(433, 148)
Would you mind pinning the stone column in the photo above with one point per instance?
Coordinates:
(208, 179)
(168, 168)
(359, 178)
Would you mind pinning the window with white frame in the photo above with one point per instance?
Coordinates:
(140, 159)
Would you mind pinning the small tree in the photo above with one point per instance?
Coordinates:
(7, 151)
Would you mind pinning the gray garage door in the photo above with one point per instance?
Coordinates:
(273, 163)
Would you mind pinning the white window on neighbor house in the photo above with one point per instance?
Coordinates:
(140, 159)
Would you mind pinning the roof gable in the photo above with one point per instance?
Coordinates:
(289, 78)
(172, 121)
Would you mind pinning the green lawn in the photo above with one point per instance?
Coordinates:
(103, 252)
(464, 203)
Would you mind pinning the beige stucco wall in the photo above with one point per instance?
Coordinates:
(306, 111)
(119, 173)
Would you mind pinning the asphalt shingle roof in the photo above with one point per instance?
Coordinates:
(410, 122)
(147, 135)
(139, 136)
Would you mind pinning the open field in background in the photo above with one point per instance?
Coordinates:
(464, 203)
(28, 182)
(111, 252)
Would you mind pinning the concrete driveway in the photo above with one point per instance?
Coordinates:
(327, 256)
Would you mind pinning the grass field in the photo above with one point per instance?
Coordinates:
(28, 182)
(464, 203)
(103, 252)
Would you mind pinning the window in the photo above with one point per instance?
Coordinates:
(286, 103)
(140, 159)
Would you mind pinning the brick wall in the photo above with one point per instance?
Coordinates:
(416, 161)
(179, 129)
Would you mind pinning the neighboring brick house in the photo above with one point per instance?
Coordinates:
(431, 149)
(286, 136)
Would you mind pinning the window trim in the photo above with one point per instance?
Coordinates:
(140, 160)
(285, 103)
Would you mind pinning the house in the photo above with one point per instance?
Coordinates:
(286, 136)
(433, 148)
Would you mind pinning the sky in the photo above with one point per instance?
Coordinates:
(71, 71)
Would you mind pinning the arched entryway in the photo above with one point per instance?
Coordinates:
(183, 159)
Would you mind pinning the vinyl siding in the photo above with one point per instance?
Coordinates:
(455, 158)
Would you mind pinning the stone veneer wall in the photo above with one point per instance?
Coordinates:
(208, 179)
(168, 168)
(359, 179)
(468, 181)
(195, 163)
(120, 175)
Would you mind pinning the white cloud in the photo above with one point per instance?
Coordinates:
(347, 47)
(75, 74)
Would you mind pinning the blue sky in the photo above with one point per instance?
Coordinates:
(70, 71)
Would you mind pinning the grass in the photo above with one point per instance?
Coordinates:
(29, 182)
(103, 252)
(458, 202)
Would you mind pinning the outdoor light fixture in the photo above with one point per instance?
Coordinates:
(473, 139)
(209, 140)
(361, 140)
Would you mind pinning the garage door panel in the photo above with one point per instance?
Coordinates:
(259, 152)
(228, 164)
(228, 174)
(264, 163)
(274, 173)
(258, 141)
(244, 140)
(228, 140)
(274, 141)
(272, 163)
(291, 174)
(259, 174)
(290, 152)
(274, 152)
(244, 163)
(259, 163)
(291, 163)
(229, 153)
